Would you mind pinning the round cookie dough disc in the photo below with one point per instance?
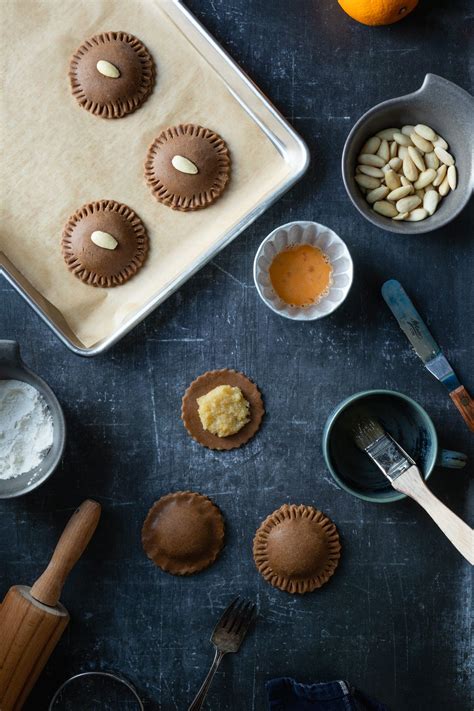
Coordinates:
(183, 533)
(297, 548)
(96, 265)
(105, 96)
(204, 384)
(187, 191)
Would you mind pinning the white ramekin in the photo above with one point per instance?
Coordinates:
(318, 236)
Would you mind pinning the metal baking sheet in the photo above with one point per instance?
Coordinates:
(289, 145)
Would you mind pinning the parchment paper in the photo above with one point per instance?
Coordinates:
(56, 156)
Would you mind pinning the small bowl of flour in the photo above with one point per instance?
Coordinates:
(32, 430)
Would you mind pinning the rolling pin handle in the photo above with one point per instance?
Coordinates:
(75, 537)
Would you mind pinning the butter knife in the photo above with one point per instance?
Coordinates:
(426, 347)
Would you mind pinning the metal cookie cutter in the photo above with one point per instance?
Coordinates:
(111, 676)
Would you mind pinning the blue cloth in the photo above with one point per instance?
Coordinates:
(286, 694)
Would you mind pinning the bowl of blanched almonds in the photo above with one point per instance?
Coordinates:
(407, 163)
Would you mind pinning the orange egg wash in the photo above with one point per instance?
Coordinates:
(301, 275)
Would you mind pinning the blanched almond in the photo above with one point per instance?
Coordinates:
(371, 146)
(416, 157)
(384, 151)
(107, 69)
(444, 156)
(402, 140)
(393, 149)
(409, 169)
(402, 152)
(370, 170)
(377, 194)
(431, 200)
(432, 160)
(401, 216)
(387, 134)
(371, 159)
(425, 132)
(440, 175)
(441, 143)
(421, 143)
(395, 163)
(385, 208)
(425, 178)
(184, 165)
(399, 193)
(408, 130)
(452, 177)
(444, 187)
(417, 215)
(392, 180)
(407, 204)
(104, 239)
(366, 181)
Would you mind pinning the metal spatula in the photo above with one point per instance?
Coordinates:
(426, 347)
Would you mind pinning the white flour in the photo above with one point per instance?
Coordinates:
(26, 428)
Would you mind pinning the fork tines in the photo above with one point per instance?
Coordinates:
(237, 617)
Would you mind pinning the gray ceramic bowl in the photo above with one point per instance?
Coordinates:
(449, 110)
(12, 367)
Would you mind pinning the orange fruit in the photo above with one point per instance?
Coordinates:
(378, 12)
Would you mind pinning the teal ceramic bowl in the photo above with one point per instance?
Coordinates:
(400, 416)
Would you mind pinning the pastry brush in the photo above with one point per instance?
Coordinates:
(404, 475)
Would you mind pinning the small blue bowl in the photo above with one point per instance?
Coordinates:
(400, 416)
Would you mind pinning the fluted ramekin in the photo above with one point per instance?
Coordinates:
(318, 236)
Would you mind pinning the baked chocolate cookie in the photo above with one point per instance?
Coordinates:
(187, 167)
(204, 385)
(112, 74)
(183, 533)
(104, 243)
(297, 548)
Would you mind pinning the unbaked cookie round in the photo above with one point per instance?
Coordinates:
(203, 385)
(187, 167)
(112, 74)
(183, 533)
(297, 548)
(104, 243)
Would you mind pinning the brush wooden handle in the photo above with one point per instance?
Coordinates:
(465, 405)
(454, 528)
(70, 547)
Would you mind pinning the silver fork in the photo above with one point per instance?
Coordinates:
(227, 637)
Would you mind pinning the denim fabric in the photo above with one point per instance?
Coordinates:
(286, 694)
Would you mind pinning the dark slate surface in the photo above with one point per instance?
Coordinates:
(395, 618)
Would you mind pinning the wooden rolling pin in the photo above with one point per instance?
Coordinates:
(32, 620)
